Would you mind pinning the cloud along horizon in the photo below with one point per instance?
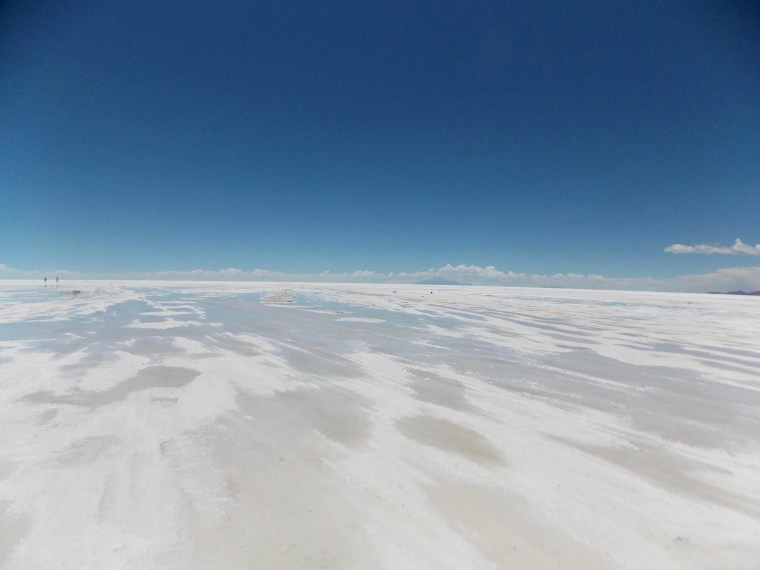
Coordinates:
(739, 248)
(724, 279)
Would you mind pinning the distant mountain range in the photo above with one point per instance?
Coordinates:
(440, 281)
(755, 293)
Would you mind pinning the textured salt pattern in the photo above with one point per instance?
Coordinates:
(257, 425)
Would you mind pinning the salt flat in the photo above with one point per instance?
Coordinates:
(260, 425)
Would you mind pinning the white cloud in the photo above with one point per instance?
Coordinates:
(727, 279)
(739, 248)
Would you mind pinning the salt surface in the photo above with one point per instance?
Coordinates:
(223, 425)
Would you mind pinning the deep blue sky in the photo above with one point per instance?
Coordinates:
(304, 136)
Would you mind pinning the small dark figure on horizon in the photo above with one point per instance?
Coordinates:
(45, 278)
(56, 281)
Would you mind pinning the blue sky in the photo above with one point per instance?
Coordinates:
(536, 137)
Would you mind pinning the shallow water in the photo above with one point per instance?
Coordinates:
(238, 425)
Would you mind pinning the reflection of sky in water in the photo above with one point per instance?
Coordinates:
(103, 323)
(304, 325)
(312, 324)
(398, 318)
(309, 321)
(529, 386)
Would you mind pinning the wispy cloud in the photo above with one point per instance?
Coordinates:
(467, 274)
(727, 279)
(747, 278)
(739, 248)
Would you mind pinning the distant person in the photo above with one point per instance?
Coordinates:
(56, 281)
(45, 278)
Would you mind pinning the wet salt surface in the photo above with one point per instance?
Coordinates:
(240, 425)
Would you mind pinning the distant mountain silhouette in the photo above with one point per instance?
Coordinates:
(440, 281)
(754, 293)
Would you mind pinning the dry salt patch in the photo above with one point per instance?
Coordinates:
(278, 297)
